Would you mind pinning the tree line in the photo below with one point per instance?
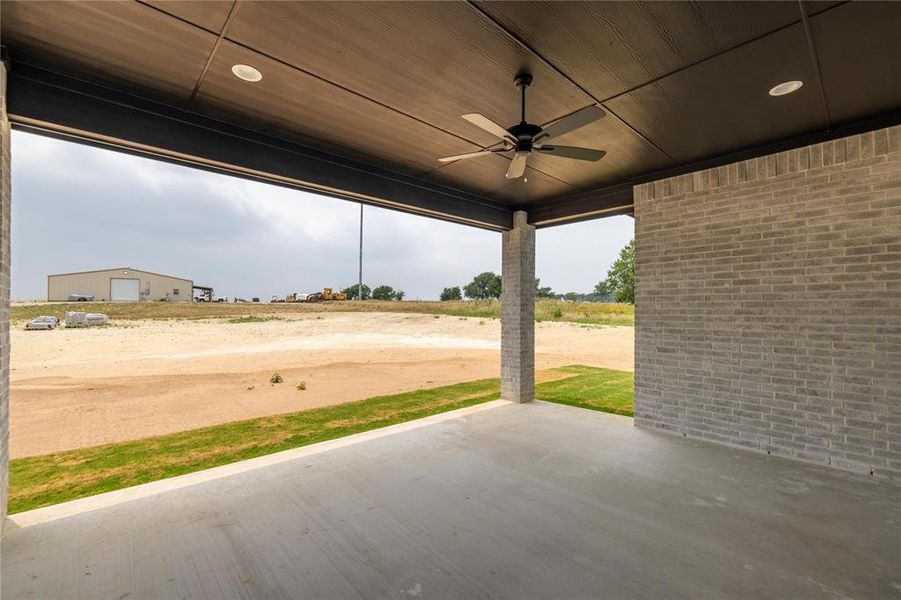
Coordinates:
(382, 292)
(619, 285)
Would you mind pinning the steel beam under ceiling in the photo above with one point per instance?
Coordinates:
(61, 106)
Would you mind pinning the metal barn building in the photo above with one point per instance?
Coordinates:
(119, 285)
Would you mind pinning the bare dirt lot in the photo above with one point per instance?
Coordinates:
(83, 387)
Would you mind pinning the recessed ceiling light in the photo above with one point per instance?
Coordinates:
(246, 72)
(786, 87)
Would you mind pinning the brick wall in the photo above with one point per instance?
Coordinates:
(4, 294)
(768, 304)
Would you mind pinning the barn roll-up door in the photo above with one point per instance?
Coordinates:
(125, 290)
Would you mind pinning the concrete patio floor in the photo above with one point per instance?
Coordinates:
(513, 501)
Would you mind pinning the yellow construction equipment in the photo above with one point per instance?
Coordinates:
(328, 294)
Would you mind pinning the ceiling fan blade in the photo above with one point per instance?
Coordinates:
(468, 155)
(489, 126)
(573, 152)
(578, 119)
(517, 165)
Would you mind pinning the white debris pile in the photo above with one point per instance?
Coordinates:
(82, 319)
(96, 319)
(76, 319)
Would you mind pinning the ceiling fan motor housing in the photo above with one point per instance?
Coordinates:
(524, 134)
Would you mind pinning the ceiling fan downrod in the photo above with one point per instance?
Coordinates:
(523, 81)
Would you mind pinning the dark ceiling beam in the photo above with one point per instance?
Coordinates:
(58, 105)
(593, 204)
(206, 67)
(815, 62)
(617, 199)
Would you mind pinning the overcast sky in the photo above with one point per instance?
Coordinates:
(79, 208)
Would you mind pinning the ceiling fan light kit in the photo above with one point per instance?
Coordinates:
(524, 138)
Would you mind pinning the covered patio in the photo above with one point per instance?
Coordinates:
(758, 147)
(500, 500)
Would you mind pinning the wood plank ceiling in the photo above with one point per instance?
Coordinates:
(385, 83)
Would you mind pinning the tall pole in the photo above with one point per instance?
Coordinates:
(360, 278)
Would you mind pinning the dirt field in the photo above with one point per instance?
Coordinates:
(76, 388)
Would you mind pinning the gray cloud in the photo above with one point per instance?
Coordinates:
(77, 208)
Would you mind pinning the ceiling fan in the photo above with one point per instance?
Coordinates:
(524, 138)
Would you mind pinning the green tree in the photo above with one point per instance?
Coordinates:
(383, 292)
(621, 277)
(542, 292)
(451, 293)
(399, 295)
(352, 292)
(571, 296)
(484, 286)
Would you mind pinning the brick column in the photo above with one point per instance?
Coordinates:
(4, 295)
(518, 311)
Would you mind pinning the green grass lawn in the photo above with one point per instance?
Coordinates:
(598, 389)
(52, 478)
(588, 313)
